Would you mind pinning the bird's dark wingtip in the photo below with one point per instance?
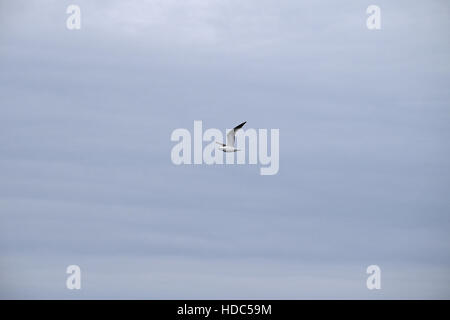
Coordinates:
(241, 125)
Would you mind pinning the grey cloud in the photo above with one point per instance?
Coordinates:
(85, 128)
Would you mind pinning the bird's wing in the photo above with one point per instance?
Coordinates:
(221, 144)
(232, 133)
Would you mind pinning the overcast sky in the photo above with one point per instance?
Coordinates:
(86, 176)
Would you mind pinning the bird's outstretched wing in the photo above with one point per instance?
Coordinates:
(232, 133)
(221, 144)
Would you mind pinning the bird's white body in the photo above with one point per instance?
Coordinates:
(229, 147)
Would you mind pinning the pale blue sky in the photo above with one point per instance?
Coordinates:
(86, 175)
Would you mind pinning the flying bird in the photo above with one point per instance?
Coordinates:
(229, 147)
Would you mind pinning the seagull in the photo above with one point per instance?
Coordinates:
(229, 147)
